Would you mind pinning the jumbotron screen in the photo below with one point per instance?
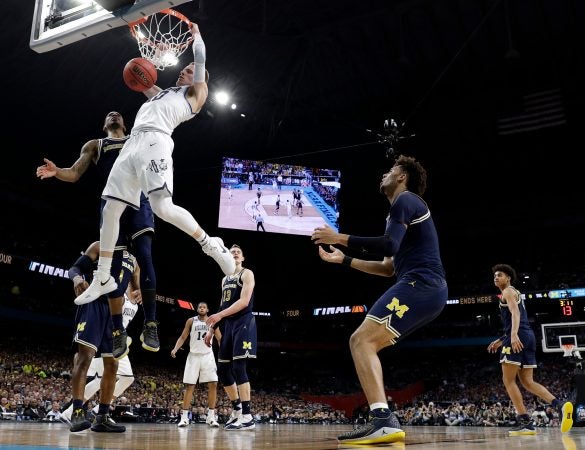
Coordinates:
(277, 198)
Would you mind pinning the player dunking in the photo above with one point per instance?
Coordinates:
(238, 340)
(146, 165)
(200, 365)
(410, 250)
(518, 355)
(136, 225)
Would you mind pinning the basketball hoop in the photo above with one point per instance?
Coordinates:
(162, 37)
(568, 349)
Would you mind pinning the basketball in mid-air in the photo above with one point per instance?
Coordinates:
(139, 74)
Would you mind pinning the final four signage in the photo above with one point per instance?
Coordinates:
(333, 310)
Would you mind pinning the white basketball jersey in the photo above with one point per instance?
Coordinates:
(129, 311)
(198, 330)
(164, 112)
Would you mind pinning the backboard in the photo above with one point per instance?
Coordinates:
(554, 335)
(57, 23)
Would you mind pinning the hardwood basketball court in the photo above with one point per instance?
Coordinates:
(30, 435)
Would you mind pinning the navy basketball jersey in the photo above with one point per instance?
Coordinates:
(507, 316)
(419, 250)
(231, 291)
(108, 150)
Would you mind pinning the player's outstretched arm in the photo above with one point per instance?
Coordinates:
(327, 235)
(70, 174)
(384, 268)
(199, 89)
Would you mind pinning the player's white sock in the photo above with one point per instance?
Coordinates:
(203, 239)
(378, 406)
(104, 267)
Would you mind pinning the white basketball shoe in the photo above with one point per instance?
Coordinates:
(96, 289)
(214, 247)
(183, 423)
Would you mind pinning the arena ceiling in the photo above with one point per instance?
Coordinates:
(315, 81)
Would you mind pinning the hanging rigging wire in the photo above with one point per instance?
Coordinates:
(392, 133)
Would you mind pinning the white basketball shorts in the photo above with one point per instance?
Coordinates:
(97, 367)
(200, 366)
(145, 164)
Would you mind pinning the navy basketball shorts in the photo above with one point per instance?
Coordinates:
(525, 358)
(136, 222)
(94, 327)
(409, 304)
(238, 340)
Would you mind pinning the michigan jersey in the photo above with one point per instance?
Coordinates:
(507, 316)
(108, 150)
(231, 291)
(419, 249)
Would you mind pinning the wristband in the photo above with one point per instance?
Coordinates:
(77, 280)
(347, 261)
(198, 59)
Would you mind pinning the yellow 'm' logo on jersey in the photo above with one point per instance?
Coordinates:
(507, 350)
(81, 326)
(395, 305)
(247, 345)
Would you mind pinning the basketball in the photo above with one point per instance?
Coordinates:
(139, 74)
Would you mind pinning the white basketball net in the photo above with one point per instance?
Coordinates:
(568, 349)
(162, 37)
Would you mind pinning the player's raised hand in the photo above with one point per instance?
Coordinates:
(80, 288)
(48, 170)
(334, 256)
(136, 296)
(324, 235)
(208, 337)
(194, 28)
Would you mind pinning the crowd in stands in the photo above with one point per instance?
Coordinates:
(35, 385)
(327, 193)
(276, 174)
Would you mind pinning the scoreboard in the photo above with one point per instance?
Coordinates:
(565, 304)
